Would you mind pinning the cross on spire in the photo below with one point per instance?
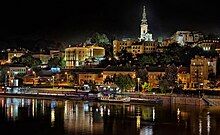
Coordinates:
(144, 18)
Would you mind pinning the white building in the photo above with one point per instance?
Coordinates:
(208, 44)
(76, 56)
(145, 36)
(187, 37)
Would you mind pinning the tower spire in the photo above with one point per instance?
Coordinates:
(144, 18)
(145, 36)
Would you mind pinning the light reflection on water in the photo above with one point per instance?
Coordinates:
(71, 117)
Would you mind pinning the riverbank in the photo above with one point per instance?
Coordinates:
(167, 99)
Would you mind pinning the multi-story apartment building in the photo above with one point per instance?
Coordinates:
(154, 74)
(198, 71)
(183, 77)
(133, 46)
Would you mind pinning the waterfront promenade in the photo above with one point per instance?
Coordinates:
(71, 94)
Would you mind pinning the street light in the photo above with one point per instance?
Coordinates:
(53, 80)
(34, 77)
(66, 77)
(138, 85)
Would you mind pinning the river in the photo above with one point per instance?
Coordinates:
(57, 117)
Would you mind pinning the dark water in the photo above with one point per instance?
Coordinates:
(45, 117)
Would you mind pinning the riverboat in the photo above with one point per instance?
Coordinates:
(115, 99)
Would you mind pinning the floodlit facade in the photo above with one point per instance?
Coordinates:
(133, 46)
(207, 45)
(198, 71)
(145, 35)
(43, 57)
(76, 56)
(145, 44)
(187, 37)
(154, 74)
(183, 77)
(12, 54)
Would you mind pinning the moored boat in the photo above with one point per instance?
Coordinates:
(115, 99)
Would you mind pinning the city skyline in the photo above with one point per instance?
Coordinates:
(78, 20)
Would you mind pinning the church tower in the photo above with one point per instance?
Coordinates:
(145, 36)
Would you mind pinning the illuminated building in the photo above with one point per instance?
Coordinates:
(76, 56)
(114, 71)
(167, 42)
(56, 53)
(14, 53)
(207, 45)
(145, 35)
(186, 37)
(89, 75)
(183, 77)
(43, 57)
(198, 71)
(134, 47)
(154, 73)
(145, 44)
(17, 69)
(212, 63)
(13, 71)
(2, 62)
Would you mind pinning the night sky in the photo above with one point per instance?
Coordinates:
(75, 20)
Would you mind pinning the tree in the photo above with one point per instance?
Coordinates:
(146, 87)
(142, 74)
(3, 72)
(124, 82)
(92, 85)
(125, 57)
(103, 41)
(109, 79)
(170, 78)
(27, 60)
(15, 60)
(148, 60)
(56, 62)
(165, 59)
(100, 39)
(163, 84)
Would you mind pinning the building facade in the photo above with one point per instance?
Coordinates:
(207, 45)
(154, 74)
(133, 46)
(187, 37)
(43, 57)
(76, 56)
(15, 53)
(198, 71)
(183, 77)
(145, 35)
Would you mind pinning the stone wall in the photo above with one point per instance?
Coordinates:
(177, 99)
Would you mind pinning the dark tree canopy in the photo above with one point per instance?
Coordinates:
(56, 62)
(27, 60)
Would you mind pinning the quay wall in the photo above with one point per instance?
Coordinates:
(175, 99)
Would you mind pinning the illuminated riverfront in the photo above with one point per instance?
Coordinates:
(36, 116)
(108, 67)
